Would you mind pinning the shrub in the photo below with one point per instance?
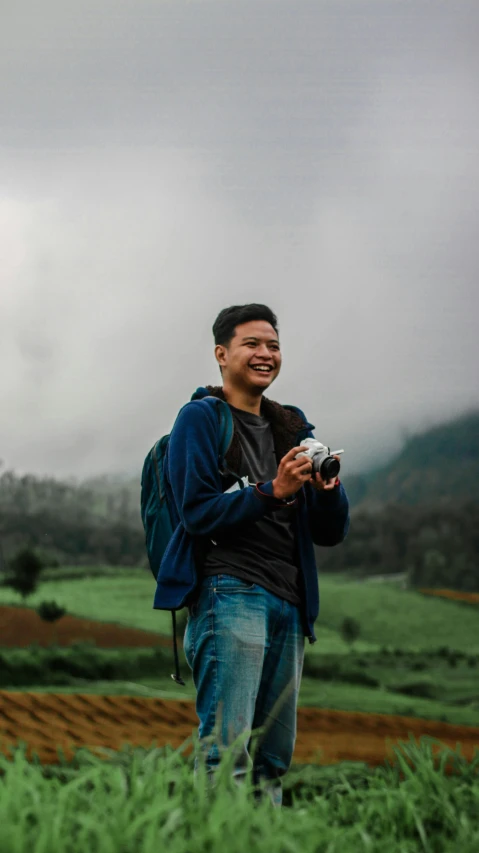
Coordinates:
(326, 670)
(24, 572)
(350, 630)
(358, 676)
(444, 652)
(423, 689)
(50, 611)
(22, 667)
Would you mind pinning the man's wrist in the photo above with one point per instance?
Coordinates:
(280, 497)
(268, 491)
(274, 484)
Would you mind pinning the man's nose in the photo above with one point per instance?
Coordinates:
(263, 351)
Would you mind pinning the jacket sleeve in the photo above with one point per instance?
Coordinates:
(328, 512)
(193, 474)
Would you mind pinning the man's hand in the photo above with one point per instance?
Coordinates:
(318, 483)
(292, 474)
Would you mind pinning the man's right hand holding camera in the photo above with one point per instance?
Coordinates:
(292, 474)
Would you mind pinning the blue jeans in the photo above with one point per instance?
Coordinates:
(245, 647)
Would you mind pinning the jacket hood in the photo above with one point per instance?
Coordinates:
(287, 425)
(200, 393)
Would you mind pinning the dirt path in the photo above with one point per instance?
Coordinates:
(46, 721)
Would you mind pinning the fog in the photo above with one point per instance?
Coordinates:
(160, 161)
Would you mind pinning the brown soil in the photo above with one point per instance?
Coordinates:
(47, 721)
(21, 627)
(453, 595)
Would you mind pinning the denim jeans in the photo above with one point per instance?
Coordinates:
(245, 647)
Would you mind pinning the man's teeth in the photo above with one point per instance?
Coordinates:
(261, 369)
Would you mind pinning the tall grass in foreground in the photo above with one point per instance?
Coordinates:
(145, 801)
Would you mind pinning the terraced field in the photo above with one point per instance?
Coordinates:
(339, 721)
(46, 722)
(387, 615)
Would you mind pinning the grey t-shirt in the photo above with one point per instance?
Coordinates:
(261, 552)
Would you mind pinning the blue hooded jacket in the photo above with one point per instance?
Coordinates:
(200, 508)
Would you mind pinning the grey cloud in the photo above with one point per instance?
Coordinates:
(159, 161)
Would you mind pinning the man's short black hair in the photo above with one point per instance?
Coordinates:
(227, 320)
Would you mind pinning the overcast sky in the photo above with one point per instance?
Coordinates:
(162, 160)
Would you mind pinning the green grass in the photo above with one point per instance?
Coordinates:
(353, 697)
(126, 598)
(399, 618)
(142, 801)
(387, 614)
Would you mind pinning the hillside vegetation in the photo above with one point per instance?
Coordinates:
(440, 464)
(436, 545)
(419, 514)
(70, 522)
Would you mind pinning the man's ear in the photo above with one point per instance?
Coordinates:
(220, 354)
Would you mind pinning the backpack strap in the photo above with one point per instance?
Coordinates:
(226, 427)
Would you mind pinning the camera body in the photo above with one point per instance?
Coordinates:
(322, 458)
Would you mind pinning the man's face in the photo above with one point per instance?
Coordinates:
(252, 360)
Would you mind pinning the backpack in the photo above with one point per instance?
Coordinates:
(157, 515)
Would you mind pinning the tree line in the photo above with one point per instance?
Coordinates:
(69, 522)
(436, 544)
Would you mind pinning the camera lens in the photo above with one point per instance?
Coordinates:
(329, 468)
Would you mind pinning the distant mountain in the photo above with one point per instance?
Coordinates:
(440, 464)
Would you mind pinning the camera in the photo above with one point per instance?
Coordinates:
(322, 458)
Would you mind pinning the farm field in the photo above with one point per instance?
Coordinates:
(346, 728)
(21, 627)
(423, 692)
(328, 695)
(56, 720)
(388, 615)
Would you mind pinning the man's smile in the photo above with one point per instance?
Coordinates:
(262, 368)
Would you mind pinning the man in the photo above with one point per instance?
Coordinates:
(243, 558)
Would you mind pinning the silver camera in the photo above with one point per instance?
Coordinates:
(322, 458)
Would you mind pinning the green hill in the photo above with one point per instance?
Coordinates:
(440, 464)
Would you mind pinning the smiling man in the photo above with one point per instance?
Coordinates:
(243, 550)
